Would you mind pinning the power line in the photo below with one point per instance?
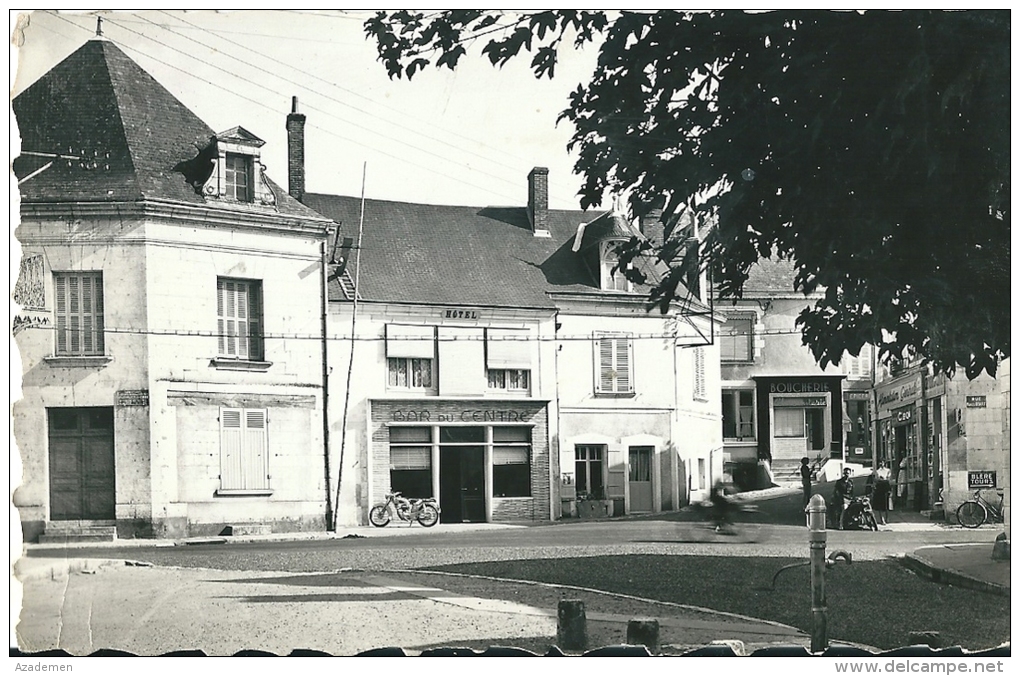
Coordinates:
(264, 105)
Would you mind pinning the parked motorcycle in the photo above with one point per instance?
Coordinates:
(858, 515)
(423, 510)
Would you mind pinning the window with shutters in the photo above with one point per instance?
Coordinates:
(859, 367)
(239, 319)
(736, 339)
(511, 462)
(79, 313)
(244, 451)
(411, 461)
(700, 388)
(614, 364)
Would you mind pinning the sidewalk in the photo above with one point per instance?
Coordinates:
(962, 565)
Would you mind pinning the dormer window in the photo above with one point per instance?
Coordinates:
(238, 170)
(237, 174)
(612, 280)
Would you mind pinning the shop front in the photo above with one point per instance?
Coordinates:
(857, 426)
(484, 460)
(900, 406)
(799, 416)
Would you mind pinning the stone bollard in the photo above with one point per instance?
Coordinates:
(571, 625)
(932, 639)
(644, 632)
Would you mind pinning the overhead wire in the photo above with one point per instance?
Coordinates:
(261, 104)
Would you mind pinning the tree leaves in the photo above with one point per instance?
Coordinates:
(871, 148)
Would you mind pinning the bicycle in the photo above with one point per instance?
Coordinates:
(976, 511)
(423, 510)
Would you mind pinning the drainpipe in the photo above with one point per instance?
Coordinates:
(324, 299)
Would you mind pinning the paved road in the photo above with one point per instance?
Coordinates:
(416, 548)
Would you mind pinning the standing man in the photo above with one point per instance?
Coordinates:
(841, 497)
(805, 478)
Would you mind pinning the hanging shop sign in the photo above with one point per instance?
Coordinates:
(981, 479)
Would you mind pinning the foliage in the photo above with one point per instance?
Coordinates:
(871, 149)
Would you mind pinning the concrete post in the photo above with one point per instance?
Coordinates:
(571, 625)
(816, 539)
(644, 632)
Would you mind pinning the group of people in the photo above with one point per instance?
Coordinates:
(879, 487)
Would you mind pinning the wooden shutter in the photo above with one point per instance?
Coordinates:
(244, 449)
(239, 318)
(60, 292)
(615, 368)
(508, 349)
(231, 449)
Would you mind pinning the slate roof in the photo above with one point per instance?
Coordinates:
(771, 277)
(457, 255)
(131, 132)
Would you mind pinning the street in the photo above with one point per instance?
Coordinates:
(223, 597)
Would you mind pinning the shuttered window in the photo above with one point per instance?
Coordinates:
(244, 449)
(79, 313)
(859, 367)
(411, 461)
(511, 462)
(614, 364)
(239, 318)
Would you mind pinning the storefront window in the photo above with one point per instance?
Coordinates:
(789, 422)
(511, 462)
(738, 414)
(411, 461)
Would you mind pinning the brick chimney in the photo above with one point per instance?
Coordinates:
(295, 152)
(538, 201)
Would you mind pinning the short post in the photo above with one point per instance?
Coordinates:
(816, 539)
(571, 625)
(644, 632)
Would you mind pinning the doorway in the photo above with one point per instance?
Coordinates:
(81, 457)
(462, 484)
(640, 478)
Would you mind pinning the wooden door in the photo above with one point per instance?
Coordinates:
(81, 455)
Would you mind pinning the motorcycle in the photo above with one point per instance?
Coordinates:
(423, 510)
(858, 515)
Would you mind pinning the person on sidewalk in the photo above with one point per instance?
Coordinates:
(805, 478)
(883, 492)
(842, 494)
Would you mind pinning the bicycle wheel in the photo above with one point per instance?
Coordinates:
(379, 516)
(428, 516)
(971, 514)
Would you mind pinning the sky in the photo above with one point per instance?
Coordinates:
(466, 137)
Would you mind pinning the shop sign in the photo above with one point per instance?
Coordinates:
(475, 415)
(978, 401)
(132, 398)
(856, 396)
(799, 402)
(981, 479)
(797, 388)
(903, 415)
(892, 396)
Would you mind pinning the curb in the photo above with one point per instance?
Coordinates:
(950, 577)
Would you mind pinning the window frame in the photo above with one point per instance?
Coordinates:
(230, 173)
(418, 474)
(612, 368)
(70, 323)
(725, 336)
(602, 451)
(499, 475)
(734, 394)
(609, 280)
(409, 363)
(253, 339)
(524, 374)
